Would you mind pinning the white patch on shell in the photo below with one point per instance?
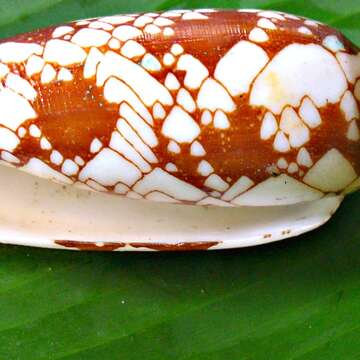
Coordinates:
(69, 168)
(213, 96)
(197, 149)
(91, 63)
(293, 168)
(303, 158)
(296, 71)
(64, 75)
(101, 25)
(357, 90)
(291, 16)
(206, 117)
(305, 30)
(119, 144)
(221, 120)
(63, 53)
(171, 82)
(180, 126)
(279, 190)
(309, 113)
(349, 106)
(95, 186)
(39, 168)
(282, 163)
(117, 20)
(121, 189)
(237, 69)
(292, 125)
(8, 157)
(311, 23)
(45, 144)
(269, 126)
(82, 22)
(34, 65)
(271, 15)
(251, 11)
(95, 146)
(204, 168)
(134, 139)
(14, 52)
(79, 160)
(160, 180)
(152, 29)
(139, 125)
(21, 132)
(48, 74)
(176, 49)
(333, 43)
(215, 182)
(211, 201)
(61, 31)
(171, 14)
(108, 168)
(116, 91)
(281, 143)
(353, 133)
(146, 86)
(258, 35)
(194, 16)
(114, 44)
(21, 86)
(173, 147)
(132, 49)
(161, 21)
(170, 167)
(150, 63)
(91, 37)
(126, 32)
(240, 186)
(4, 70)
(350, 64)
(143, 20)
(184, 99)
(8, 140)
(158, 111)
(56, 158)
(332, 173)
(34, 131)
(196, 72)
(168, 59)
(266, 24)
(160, 197)
(9, 100)
(168, 31)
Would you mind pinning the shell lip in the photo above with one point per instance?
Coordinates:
(44, 214)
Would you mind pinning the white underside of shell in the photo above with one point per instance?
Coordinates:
(39, 212)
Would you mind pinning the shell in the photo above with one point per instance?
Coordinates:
(221, 108)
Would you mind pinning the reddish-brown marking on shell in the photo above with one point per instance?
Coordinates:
(89, 246)
(108, 246)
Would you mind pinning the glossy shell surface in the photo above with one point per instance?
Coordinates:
(226, 108)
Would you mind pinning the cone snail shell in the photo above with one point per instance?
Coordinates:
(203, 107)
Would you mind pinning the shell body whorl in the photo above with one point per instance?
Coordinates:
(227, 108)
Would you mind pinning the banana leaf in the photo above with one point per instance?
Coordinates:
(296, 299)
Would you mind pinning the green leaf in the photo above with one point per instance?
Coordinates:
(296, 299)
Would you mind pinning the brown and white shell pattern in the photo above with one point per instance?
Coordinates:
(205, 107)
